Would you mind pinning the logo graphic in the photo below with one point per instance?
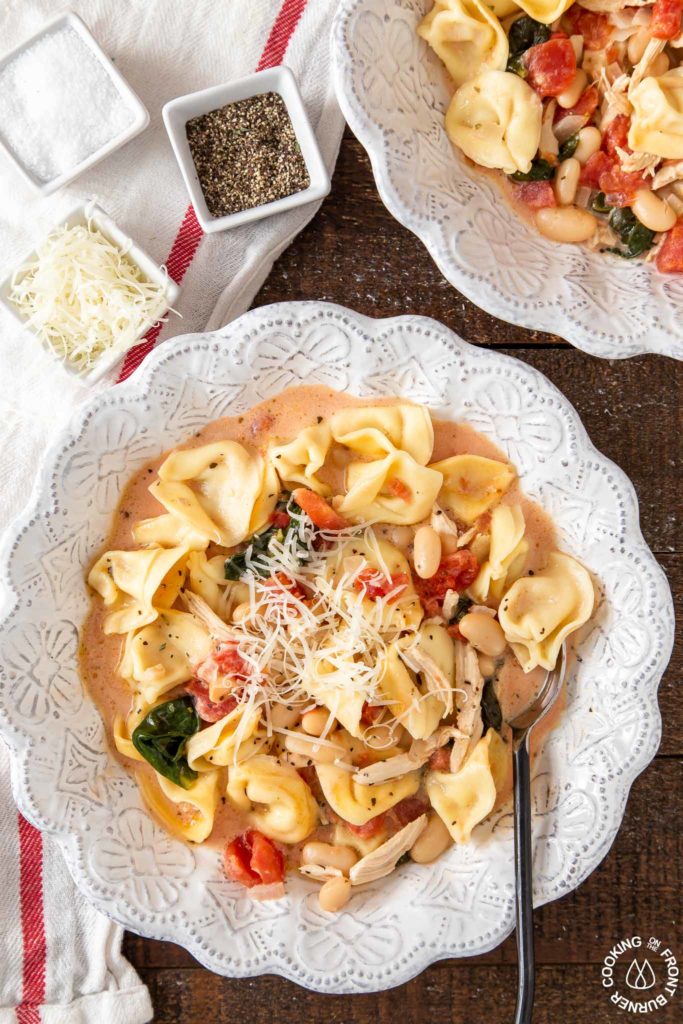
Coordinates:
(641, 977)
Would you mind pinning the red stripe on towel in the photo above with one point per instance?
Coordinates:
(190, 233)
(32, 913)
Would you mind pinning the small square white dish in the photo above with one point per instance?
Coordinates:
(140, 114)
(178, 112)
(91, 213)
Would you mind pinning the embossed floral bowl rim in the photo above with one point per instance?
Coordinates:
(67, 783)
(393, 93)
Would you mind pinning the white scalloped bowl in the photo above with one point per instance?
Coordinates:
(392, 91)
(67, 783)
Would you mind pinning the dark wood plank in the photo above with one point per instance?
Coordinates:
(635, 888)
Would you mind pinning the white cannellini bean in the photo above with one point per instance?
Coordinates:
(241, 611)
(432, 841)
(577, 45)
(566, 223)
(306, 746)
(571, 94)
(653, 212)
(487, 665)
(328, 856)
(283, 717)
(314, 722)
(426, 552)
(637, 43)
(567, 181)
(589, 143)
(484, 633)
(334, 894)
(659, 65)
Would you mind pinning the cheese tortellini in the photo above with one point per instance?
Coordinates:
(539, 612)
(219, 490)
(188, 812)
(394, 490)
(233, 738)
(298, 461)
(472, 484)
(163, 654)
(545, 11)
(134, 585)
(464, 798)
(467, 36)
(358, 803)
(375, 431)
(657, 120)
(417, 703)
(506, 557)
(495, 119)
(168, 532)
(274, 798)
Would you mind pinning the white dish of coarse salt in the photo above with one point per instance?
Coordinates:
(63, 104)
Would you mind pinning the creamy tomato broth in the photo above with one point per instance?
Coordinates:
(366, 741)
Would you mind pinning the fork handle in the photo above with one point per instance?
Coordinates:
(524, 884)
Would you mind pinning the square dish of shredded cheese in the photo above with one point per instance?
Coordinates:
(85, 296)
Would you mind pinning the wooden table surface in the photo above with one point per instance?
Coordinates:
(354, 253)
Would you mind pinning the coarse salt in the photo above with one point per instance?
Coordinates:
(59, 105)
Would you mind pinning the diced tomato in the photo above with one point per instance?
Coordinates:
(551, 66)
(616, 135)
(318, 510)
(280, 583)
(595, 28)
(586, 104)
(370, 828)
(374, 584)
(370, 713)
(666, 19)
(399, 489)
(456, 572)
(280, 519)
(253, 859)
(209, 710)
(535, 194)
(229, 661)
(440, 761)
(594, 167)
(454, 631)
(669, 259)
(410, 808)
(620, 186)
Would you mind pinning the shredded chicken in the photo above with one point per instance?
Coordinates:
(548, 147)
(418, 755)
(614, 98)
(469, 679)
(668, 173)
(383, 860)
(637, 161)
(200, 609)
(644, 66)
(434, 679)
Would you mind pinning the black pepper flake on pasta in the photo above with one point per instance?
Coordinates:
(212, 465)
(246, 154)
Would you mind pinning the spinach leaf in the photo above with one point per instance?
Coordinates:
(568, 148)
(161, 738)
(598, 204)
(491, 714)
(463, 606)
(517, 66)
(540, 170)
(236, 565)
(635, 237)
(526, 32)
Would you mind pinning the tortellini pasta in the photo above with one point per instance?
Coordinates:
(545, 11)
(419, 708)
(495, 119)
(327, 678)
(538, 612)
(472, 484)
(207, 579)
(298, 461)
(464, 798)
(657, 120)
(376, 430)
(467, 36)
(358, 803)
(233, 738)
(164, 654)
(134, 585)
(189, 812)
(395, 489)
(403, 613)
(219, 490)
(507, 554)
(168, 532)
(503, 8)
(274, 797)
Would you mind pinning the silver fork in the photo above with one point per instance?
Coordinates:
(522, 727)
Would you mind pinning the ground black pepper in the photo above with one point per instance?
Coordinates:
(246, 154)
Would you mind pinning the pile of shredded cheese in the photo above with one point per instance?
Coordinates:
(85, 297)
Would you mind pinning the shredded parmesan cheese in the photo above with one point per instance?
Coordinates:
(84, 296)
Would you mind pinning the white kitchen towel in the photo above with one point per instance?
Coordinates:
(62, 962)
